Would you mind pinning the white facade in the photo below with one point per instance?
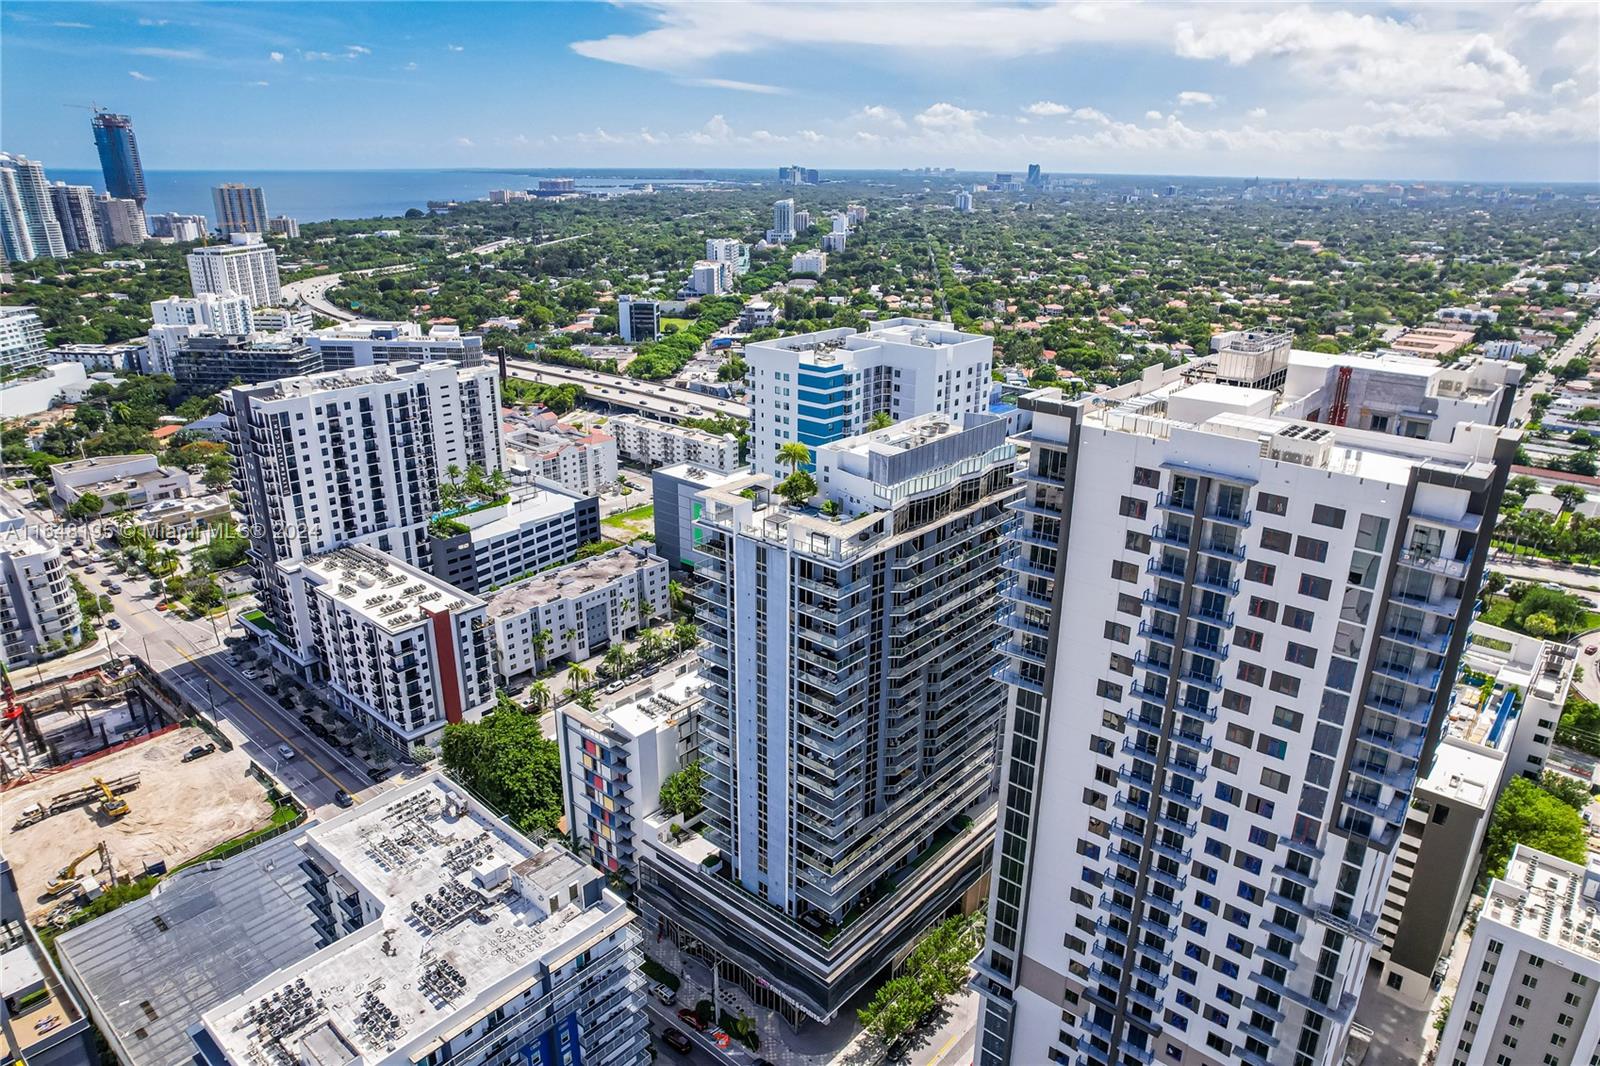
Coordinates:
(352, 456)
(75, 211)
(285, 320)
(709, 278)
(396, 647)
(613, 763)
(727, 250)
(783, 222)
(833, 242)
(283, 226)
(584, 607)
(584, 462)
(1529, 985)
(28, 226)
(121, 221)
(21, 339)
(1406, 395)
(539, 526)
(811, 262)
(180, 228)
(128, 355)
(644, 440)
(226, 314)
(240, 209)
(1226, 626)
(964, 202)
(248, 268)
(38, 607)
(819, 387)
(459, 941)
(141, 478)
(370, 343)
(638, 320)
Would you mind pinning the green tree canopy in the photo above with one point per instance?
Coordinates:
(507, 761)
(1527, 814)
(683, 792)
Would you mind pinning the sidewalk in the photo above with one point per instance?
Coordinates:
(947, 1041)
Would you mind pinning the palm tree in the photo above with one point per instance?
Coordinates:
(616, 660)
(651, 644)
(624, 607)
(541, 644)
(881, 420)
(568, 635)
(794, 453)
(578, 675)
(498, 482)
(677, 595)
(686, 635)
(646, 610)
(539, 695)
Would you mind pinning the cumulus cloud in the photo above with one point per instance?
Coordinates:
(276, 57)
(878, 114)
(1195, 98)
(357, 50)
(1153, 116)
(944, 116)
(455, 47)
(465, 142)
(1046, 108)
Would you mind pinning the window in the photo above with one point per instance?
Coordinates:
(1274, 780)
(1235, 701)
(1275, 540)
(1301, 655)
(1315, 587)
(1284, 718)
(1323, 515)
(1252, 674)
(1295, 618)
(1124, 571)
(1137, 542)
(1267, 503)
(1118, 632)
(1263, 608)
(1228, 793)
(1247, 639)
(1395, 979)
(1238, 734)
(1109, 691)
(1132, 507)
(1127, 604)
(1223, 761)
(1285, 684)
(1260, 572)
(1311, 548)
(1145, 478)
(1215, 819)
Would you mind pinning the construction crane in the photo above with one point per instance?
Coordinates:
(112, 804)
(67, 877)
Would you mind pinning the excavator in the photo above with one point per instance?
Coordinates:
(66, 879)
(113, 805)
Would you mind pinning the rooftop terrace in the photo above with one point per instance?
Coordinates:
(1548, 898)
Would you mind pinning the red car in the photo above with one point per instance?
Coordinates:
(691, 1019)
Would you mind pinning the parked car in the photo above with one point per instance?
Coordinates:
(691, 1019)
(114, 623)
(677, 1041)
(285, 752)
(113, 588)
(199, 751)
(343, 798)
(614, 687)
(666, 995)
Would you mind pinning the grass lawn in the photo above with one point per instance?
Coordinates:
(637, 514)
(681, 323)
(1498, 613)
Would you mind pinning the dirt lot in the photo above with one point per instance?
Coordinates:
(179, 810)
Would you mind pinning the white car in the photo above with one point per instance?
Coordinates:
(285, 752)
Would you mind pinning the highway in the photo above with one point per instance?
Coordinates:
(662, 401)
(313, 292)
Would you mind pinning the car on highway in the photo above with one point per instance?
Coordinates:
(677, 1041)
(285, 752)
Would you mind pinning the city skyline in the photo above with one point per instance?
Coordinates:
(1508, 93)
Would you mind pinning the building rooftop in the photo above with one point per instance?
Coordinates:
(564, 582)
(153, 966)
(647, 708)
(329, 380)
(1547, 898)
(382, 589)
(73, 466)
(1464, 773)
(467, 912)
(699, 475)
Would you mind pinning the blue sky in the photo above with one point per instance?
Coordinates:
(1479, 91)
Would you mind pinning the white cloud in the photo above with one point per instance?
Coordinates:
(455, 48)
(737, 86)
(357, 50)
(1154, 116)
(943, 116)
(186, 54)
(1046, 108)
(811, 136)
(410, 66)
(259, 84)
(465, 142)
(138, 76)
(878, 114)
(72, 25)
(715, 131)
(153, 22)
(1195, 98)
(276, 57)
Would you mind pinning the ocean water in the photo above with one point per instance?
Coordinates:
(317, 195)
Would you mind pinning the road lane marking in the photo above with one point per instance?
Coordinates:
(939, 1055)
(257, 716)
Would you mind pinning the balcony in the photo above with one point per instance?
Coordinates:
(1216, 582)
(1167, 821)
(1162, 636)
(1431, 563)
(1176, 882)
(1437, 643)
(1150, 951)
(1417, 712)
(1171, 604)
(1394, 811)
(1399, 780)
(1007, 674)
(1112, 906)
(1210, 682)
(1165, 568)
(1215, 617)
(1193, 741)
(1180, 504)
(1408, 746)
(1020, 650)
(1122, 802)
(1230, 516)
(1181, 856)
(1177, 536)
(1133, 777)
(1156, 666)
(1234, 552)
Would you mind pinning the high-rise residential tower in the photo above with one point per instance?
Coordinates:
(28, 226)
(119, 156)
(121, 221)
(75, 211)
(783, 224)
(240, 209)
(22, 344)
(1211, 748)
(819, 387)
(352, 457)
(849, 728)
(245, 266)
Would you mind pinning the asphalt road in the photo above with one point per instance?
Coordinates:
(663, 401)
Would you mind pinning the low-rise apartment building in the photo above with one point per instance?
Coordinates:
(584, 461)
(370, 343)
(38, 607)
(213, 362)
(538, 525)
(651, 443)
(576, 610)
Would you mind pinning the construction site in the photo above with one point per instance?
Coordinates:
(139, 809)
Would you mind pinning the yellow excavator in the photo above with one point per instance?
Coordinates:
(112, 804)
(66, 879)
